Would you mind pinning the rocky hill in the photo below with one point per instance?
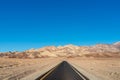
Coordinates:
(117, 44)
(98, 50)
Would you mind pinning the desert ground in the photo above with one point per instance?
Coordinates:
(103, 68)
(25, 69)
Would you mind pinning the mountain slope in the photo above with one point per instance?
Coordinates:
(98, 50)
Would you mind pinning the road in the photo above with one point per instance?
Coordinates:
(63, 71)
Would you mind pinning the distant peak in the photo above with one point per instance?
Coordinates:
(117, 43)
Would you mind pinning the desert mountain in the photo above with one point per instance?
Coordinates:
(117, 44)
(98, 50)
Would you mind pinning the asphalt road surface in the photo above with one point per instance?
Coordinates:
(63, 71)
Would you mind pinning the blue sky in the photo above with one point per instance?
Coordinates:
(28, 24)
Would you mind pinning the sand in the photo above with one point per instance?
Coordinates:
(12, 69)
(103, 68)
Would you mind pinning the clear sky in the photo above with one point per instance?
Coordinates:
(28, 24)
